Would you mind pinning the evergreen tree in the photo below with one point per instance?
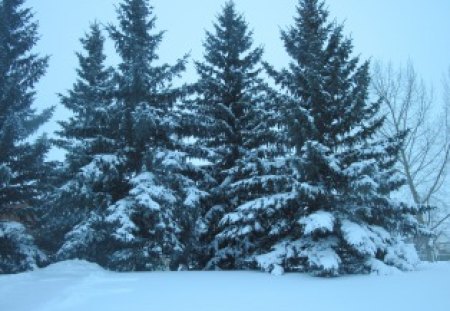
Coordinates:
(142, 185)
(88, 132)
(336, 215)
(145, 89)
(151, 221)
(232, 126)
(23, 172)
(89, 137)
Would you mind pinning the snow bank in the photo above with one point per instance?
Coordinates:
(78, 285)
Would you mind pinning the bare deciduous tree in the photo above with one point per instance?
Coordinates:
(410, 106)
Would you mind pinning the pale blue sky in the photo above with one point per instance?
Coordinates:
(395, 30)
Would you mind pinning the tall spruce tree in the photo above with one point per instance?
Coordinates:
(337, 216)
(89, 137)
(232, 129)
(23, 171)
(145, 219)
(153, 221)
(89, 131)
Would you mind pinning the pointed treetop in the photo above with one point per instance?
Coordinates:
(134, 35)
(310, 30)
(137, 43)
(92, 64)
(230, 45)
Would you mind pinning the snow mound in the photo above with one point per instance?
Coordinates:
(75, 266)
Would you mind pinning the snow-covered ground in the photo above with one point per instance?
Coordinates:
(82, 286)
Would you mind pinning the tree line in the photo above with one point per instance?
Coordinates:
(250, 167)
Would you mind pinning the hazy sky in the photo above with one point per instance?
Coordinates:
(395, 30)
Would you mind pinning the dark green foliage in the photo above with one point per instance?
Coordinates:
(336, 215)
(20, 70)
(89, 134)
(132, 189)
(18, 249)
(145, 90)
(234, 131)
(24, 175)
(90, 130)
(149, 229)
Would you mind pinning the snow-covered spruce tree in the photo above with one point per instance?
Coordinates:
(136, 190)
(232, 130)
(89, 180)
(23, 172)
(337, 216)
(89, 131)
(152, 223)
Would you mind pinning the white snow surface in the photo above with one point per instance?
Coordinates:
(78, 285)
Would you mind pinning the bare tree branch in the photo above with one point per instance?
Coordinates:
(424, 158)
